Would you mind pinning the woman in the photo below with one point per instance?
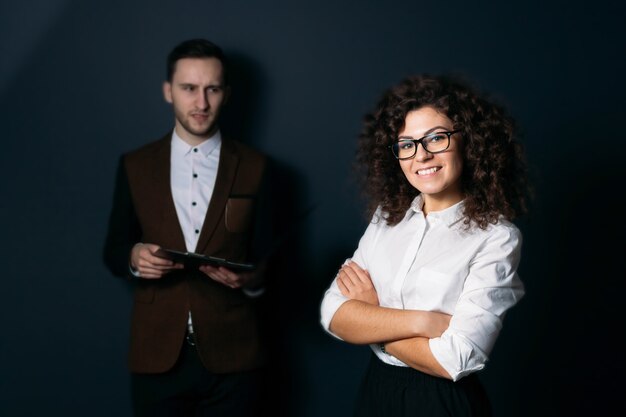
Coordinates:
(435, 271)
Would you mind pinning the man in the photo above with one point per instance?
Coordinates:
(196, 346)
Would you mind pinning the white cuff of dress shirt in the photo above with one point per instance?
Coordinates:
(253, 293)
(134, 271)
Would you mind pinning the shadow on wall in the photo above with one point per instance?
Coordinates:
(242, 117)
(558, 351)
(278, 302)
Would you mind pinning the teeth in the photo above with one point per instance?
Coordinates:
(428, 171)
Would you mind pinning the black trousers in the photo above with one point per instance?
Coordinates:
(388, 390)
(189, 389)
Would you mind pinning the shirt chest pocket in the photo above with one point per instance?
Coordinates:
(432, 290)
(239, 213)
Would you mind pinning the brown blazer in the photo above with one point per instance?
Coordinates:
(226, 323)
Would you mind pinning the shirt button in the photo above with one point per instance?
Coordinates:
(195, 149)
(195, 175)
(197, 231)
(193, 203)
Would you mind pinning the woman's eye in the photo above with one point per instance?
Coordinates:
(437, 138)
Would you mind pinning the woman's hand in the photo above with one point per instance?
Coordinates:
(356, 284)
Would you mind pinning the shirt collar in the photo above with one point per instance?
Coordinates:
(449, 216)
(182, 148)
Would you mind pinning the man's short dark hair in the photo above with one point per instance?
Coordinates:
(195, 48)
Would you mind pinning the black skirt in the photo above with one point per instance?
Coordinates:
(395, 391)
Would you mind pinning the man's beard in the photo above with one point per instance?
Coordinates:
(203, 132)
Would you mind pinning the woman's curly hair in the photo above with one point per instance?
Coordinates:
(493, 179)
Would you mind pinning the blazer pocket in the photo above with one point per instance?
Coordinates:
(239, 212)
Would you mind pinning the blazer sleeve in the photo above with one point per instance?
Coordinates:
(123, 230)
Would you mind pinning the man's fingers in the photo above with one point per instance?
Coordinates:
(146, 256)
(149, 273)
(152, 271)
(150, 276)
(222, 275)
(157, 261)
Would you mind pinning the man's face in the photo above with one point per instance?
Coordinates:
(197, 93)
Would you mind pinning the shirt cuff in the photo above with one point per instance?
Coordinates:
(457, 356)
(134, 272)
(330, 305)
(253, 293)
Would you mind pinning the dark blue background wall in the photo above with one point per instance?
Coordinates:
(80, 83)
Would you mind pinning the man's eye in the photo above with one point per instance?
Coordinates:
(188, 87)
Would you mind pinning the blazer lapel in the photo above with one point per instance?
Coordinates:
(172, 235)
(227, 168)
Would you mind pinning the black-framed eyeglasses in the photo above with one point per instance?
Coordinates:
(406, 147)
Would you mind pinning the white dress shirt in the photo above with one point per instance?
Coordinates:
(193, 170)
(434, 263)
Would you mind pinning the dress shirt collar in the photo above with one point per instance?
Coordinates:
(182, 148)
(449, 215)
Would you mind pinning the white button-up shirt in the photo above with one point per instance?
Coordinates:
(193, 171)
(434, 263)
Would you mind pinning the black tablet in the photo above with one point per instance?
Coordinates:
(197, 259)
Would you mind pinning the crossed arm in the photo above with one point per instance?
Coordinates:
(404, 333)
